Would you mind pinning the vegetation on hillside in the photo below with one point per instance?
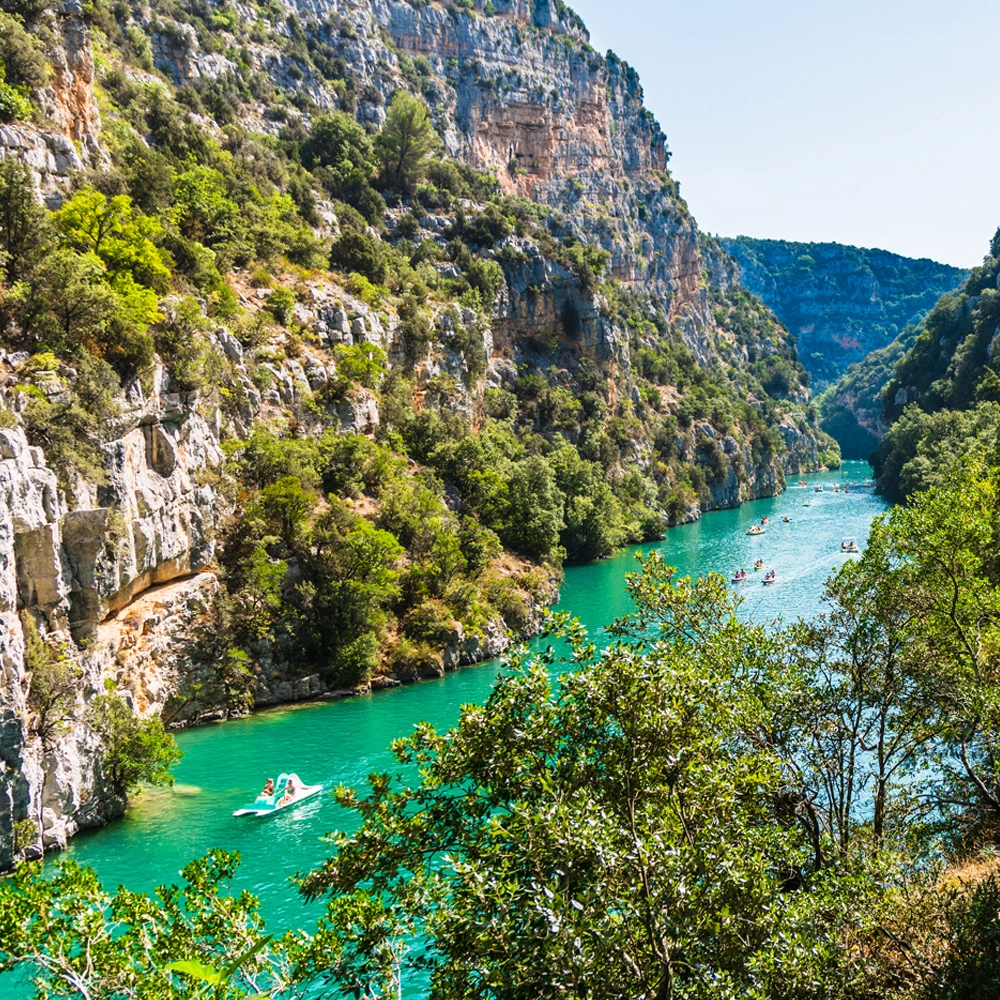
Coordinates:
(706, 808)
(841, 302)
(430, 531)
(942, 399)
(851, 409)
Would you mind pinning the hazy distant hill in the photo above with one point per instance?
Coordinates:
(841, 302)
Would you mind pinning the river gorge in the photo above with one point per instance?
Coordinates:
(343, 742)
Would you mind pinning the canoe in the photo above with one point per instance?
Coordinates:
(268, 805)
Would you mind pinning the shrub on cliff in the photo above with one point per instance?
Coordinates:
(24, 224)
(404, 142)
(359, 251)
(20, 53)
(53, 681)
(134, 751)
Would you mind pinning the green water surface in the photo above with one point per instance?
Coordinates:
(342, 742)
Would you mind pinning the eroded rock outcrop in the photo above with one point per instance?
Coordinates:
(69, 140)
(70, 565)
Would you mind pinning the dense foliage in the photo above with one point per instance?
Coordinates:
(286, 258)
(941, 398)
(422, 539)
(851, 410)
(706, 808)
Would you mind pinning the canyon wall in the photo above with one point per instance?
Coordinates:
(117, 571)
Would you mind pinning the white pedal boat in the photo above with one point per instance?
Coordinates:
(268, 805)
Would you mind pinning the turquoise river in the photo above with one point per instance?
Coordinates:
(343, 742)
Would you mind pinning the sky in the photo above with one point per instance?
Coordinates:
(872, 123)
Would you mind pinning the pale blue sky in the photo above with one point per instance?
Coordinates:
(874, 123)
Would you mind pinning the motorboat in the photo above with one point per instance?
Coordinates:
(849, 544)
(268, 805)
(756, 529)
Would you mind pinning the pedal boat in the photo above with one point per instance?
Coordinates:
(756, 529)
(267, 805)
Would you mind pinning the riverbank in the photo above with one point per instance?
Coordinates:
(343, 742)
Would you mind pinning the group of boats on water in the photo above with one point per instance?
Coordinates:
(742, 576)
(849, 545)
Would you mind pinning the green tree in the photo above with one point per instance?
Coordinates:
(594, 521)
(406, 139)
(608, 835)
(54, 682)
(134, 751)
(203, 211)
(199, 940)
(120, 236)
(21, 55)
(70, 431)
(362, 253)
(362, 363)
(946, 544)
(24, 226)
(337, 142)
(282, 509)
(182, 344)
(350, 579)
(532, 516)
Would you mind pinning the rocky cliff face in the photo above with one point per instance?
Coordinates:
(119, 571)
(76, 563)
(515, 89)
(66, 137)
(841, 302)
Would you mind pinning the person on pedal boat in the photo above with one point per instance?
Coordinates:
(268, 789)
(290, 791)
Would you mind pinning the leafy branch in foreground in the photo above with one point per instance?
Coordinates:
(76, 939)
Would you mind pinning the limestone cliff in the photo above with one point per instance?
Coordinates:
(661, 360)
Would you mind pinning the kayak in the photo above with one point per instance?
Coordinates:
(268, 805)
(769, 580)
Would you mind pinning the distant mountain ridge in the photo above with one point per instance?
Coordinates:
(841, 302)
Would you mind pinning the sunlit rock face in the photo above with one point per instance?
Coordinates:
(120, 572)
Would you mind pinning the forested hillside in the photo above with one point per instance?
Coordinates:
(851, 409)
(842, 303)
(329, 334)
(943, 397)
